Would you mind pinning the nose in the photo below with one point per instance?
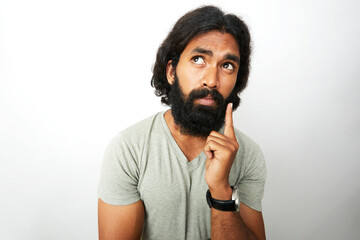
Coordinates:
(210, 78)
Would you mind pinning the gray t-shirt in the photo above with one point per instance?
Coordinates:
(143, 162)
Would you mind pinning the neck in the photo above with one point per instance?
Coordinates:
(190, 145)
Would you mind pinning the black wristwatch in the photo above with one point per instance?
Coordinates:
(228, 205)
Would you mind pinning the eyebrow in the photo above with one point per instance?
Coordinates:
(233, 58)
(210, 53)
(203, 51)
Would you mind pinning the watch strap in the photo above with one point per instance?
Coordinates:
(222, 205)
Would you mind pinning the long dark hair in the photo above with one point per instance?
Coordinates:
(194, 23)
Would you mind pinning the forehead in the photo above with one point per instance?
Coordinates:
(216, 41)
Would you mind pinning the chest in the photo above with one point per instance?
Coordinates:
(173, 192)
(191, 149)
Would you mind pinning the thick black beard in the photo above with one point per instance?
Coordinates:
(196, 120)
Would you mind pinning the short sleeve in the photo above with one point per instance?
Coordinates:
(119, 174)
(251, 186)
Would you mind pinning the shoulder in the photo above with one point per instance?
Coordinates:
(249, 156)
(136, 134)
(141, 127)
(249, 171)
(245, 142)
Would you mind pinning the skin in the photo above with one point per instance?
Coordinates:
(120, 222)
(210, 60)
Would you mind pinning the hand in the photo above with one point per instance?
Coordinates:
(220, 150)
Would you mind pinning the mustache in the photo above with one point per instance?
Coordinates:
(204, 92)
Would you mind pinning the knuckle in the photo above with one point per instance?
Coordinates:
(209, 138)
(234, 147)
(212, 133)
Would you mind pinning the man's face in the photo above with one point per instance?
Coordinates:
(205, 75)
(210, 60)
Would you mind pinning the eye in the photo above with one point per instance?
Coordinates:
(198, 60)
(229, 66)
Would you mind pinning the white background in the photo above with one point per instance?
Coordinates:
(73, 73)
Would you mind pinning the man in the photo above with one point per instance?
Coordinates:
(187, 173)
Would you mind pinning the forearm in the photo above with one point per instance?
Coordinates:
(228, 225)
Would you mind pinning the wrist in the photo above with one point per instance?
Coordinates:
(221, 193)
(231, 204)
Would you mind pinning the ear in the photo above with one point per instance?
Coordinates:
(170, 72)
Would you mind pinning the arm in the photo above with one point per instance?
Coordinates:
(120, 222)
(246, 224)
(220, 150)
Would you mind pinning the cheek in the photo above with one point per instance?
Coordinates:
(189, 79)
(228, 86)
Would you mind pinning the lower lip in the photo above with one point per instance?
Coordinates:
(206, 101)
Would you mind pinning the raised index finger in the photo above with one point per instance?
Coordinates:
(229, 126)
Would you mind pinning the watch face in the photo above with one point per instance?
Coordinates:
(235, 198)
